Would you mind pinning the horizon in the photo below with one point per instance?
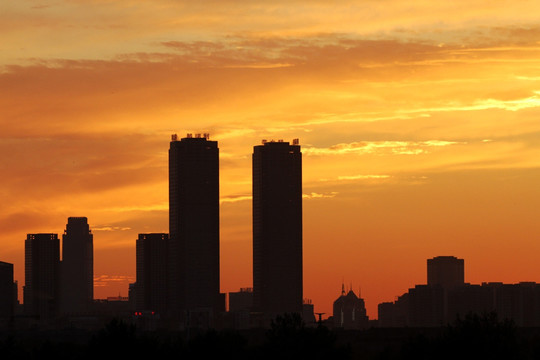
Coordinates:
(418, 124)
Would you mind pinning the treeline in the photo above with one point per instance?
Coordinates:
(287, 338)
(474, 337)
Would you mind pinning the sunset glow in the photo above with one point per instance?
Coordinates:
(419, 124)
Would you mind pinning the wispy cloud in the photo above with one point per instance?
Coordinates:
(363, 177)
(109, 228)
(112, 280)
(357, 177)
(234, 198)
(315, 195)
(532, 101)
(152, 207)
(379, 147)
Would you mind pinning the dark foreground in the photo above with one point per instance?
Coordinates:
(472, 338)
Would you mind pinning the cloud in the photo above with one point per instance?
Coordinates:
(379, 147)
(314, 195)
(109, 228)
(532, 101)
(234, 198)
(112, 280)
(363, 177)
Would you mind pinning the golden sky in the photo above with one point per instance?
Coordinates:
(419, 123)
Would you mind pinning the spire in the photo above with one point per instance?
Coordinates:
(343, 287)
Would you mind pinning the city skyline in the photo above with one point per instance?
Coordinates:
(280, 177)
(418, 123)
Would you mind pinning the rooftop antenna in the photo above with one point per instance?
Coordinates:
(342, 287)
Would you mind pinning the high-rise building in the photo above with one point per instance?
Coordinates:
(7, 290)
(194, 287)
(151, 285)
(446, 271)
(77, 267)
(277, 228)
(41, 269)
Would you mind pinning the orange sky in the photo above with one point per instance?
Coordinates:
(419, 124)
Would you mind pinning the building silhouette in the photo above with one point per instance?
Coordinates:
(8, 291)
(277, 228)
(77, 267)
(151, 272)
(41, 269)
(349, 311)
(241, 300)
(194, 283)
(447, 297)
(308, 312)
(446, 271)
(240, 308)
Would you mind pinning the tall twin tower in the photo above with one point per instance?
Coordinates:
(193, 257)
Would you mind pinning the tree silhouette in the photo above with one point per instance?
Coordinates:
(474, 337)
(289, 338)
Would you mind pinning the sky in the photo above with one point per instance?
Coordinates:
(419, 123)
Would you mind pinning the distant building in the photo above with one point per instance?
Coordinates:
(151, 271)
(42, 262)
(7, 291)
(240, 307)
(194, 281)
(426, 306)
(446, 271)
(350, 311)
(386, 314)
(446, 298)
(241, 300)
(277, 228)
(77, 267)
(114, 307)
(308, 313)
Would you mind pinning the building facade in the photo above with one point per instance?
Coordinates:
(8, 290)
(41, 269)
(446, 271)
(194, 283)
(151, 272)
(77, 267)
(277, 228)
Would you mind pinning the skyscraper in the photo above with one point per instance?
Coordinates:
(7, 290)
(151, 285)
(277, 228)
(41, 268)
(77, 267)
(194, 288)
(446, 271)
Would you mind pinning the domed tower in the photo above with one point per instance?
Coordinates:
(350, 311)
